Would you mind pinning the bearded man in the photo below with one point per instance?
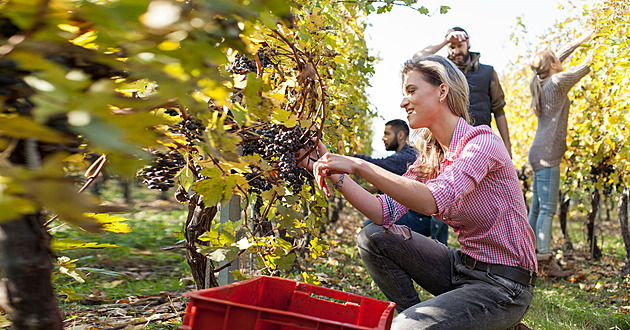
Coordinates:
(486, 94)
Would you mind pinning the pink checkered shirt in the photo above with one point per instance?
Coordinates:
(478, 194)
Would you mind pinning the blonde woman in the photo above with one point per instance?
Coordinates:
(550, 103)
(463, 175)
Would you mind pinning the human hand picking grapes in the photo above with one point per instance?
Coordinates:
(308, 162)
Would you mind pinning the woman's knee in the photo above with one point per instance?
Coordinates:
(365, 235)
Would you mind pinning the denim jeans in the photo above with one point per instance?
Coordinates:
(423, 224)
(463, 298)
(546, 187)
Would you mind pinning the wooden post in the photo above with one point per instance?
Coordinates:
(230, 211)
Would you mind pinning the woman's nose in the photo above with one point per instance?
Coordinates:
(404, 102)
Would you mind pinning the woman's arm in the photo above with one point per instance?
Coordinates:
(410, 193)
(565, 51)
(364, 201)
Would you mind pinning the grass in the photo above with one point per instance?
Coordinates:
(137, 279)
(596, 297)
(560, 305)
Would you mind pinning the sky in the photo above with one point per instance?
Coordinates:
(395, 36)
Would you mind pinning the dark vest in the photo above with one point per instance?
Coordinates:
(479, 80)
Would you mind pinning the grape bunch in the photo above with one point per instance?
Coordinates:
(191, 128)
(160, 175)
(171, 112)
(242, 64)
(257, 182)
(279, 145)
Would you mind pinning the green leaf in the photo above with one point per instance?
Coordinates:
(238, 275)
(106, 135)
(284, 117)
(103, 272)
(11, 207)
(214, 189)
(286, 262)
(228, 253)
(64, 244)
(71, 295)
(444, 9)
(239, 113)
(24, 128)
(384, 9)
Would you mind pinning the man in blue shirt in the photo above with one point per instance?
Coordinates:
(395, 137)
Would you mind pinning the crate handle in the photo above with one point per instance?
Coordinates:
(328, 294)
(282, 319)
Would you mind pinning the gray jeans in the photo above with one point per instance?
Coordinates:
(464, 298)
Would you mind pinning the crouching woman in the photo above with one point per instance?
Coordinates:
(465, 177)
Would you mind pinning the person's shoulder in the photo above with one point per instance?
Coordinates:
(481, 134)
(409, 149)
(483, 139)
(486, 67)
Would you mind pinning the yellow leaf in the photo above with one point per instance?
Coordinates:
(64, 244)
(168, 45)
(111, 223)
(4, 322)
(112, 284)
(84, 39)
(71, 294)
(310, 279)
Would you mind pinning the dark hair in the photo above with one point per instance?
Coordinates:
(456, 28)
(399, 125)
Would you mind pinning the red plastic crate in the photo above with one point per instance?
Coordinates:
(269, 303)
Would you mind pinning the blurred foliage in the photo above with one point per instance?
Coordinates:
(118, 75)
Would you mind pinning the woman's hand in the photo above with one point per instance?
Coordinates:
(311, 158)
(332, 164)
(586, 36)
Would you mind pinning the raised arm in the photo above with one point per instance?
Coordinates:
(565, 51)
(455, 36)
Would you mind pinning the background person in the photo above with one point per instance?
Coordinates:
(465, 176)
(486, 95)
(550, 103)
(396, 138)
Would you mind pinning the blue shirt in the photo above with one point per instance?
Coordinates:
(396, 163)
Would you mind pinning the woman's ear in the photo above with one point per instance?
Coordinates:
(443, 92)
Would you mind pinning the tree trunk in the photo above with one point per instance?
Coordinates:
(596, 252)
(623, 220)
(266, 228)
(562, 216)
(334, 208)
(199, 221)
(26, 291)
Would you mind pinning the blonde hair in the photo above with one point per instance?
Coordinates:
(437, 70)
(541, 65)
